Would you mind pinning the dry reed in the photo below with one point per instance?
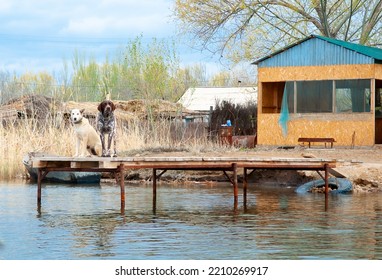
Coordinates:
(57, 138)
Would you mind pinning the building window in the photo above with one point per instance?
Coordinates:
(341, 96)
(314, 96)
(352, 96)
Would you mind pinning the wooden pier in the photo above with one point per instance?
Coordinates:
(118, 165)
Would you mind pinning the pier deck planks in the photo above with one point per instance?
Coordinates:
(45, 164)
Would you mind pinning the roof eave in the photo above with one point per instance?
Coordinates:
(376, 57)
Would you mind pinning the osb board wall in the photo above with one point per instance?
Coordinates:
(340, 128)
(331, 72)
(378, 71)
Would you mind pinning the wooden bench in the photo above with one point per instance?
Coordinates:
(316, 139)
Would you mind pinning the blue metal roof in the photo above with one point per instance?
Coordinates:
(319, 51)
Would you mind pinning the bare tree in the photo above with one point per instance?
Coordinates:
(244, 29)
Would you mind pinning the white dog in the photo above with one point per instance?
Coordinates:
(87, 137)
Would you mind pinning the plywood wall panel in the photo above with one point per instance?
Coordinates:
(340, 128)
(378, 71)
(305, 73)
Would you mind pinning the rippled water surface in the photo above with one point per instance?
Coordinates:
(187, 222)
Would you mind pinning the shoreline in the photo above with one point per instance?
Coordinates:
(362, 166)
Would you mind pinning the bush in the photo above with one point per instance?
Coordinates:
(243, 117)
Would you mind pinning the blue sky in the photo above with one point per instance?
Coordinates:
(37, 35)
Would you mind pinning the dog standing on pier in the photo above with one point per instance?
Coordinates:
(87, 139)
(106, 124)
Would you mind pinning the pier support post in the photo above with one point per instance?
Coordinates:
(39, 180)
(41, 174)
(154, 190)
(326, 167)
(245, 185)
(235, 184)
(154, 182)
(121, 170)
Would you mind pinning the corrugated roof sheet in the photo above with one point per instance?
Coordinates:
(201, 98)
(375, 53)
(319, 50)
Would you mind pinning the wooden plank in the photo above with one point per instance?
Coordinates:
(169, 159)
(44, 163)
(336, 173)
(112, 164)
(181, 162)
(84, 164)
(180, 166)
(315, 139)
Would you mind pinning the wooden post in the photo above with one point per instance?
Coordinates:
(326, 185)
(154, 182)
(326, 167)
(154, 190)
(245, 185)
(235, 184)
(39, 180)
(122, 185)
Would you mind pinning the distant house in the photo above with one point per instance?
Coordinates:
(201, 99)
(320, 87)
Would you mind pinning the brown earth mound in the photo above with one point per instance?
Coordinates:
(42, 107)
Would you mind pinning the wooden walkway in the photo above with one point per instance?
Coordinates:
(118, 165)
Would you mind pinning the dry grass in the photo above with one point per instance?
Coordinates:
(57, 138)
(26, 136)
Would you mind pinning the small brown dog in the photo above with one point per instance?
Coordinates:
(106, 124)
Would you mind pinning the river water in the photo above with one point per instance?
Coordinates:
(193, 221)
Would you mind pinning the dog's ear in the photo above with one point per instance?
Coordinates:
(82, 111)
(100, 107)
(112, 106)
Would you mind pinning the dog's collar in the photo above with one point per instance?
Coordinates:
(79, 121)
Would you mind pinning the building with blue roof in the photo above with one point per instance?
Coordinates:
(320, 87)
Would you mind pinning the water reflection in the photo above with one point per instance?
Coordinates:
(187, 222)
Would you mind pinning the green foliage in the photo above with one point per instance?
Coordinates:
(12, 86)
(136, 71)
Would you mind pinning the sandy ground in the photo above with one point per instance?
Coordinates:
(363, 166)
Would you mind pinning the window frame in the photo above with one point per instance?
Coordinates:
(367, 102)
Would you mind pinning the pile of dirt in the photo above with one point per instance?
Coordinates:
(30, 106)
(42, 107)
(140, 107)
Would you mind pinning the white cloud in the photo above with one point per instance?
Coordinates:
(104, 26)
(44, 31)
(86, 17)
(120, 17)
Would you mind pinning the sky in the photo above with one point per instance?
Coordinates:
(38, 35)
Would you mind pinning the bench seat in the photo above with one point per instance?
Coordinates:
(310, 140)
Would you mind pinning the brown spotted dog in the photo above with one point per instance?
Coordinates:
(106, 124)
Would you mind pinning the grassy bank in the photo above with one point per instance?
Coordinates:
(57, 138)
